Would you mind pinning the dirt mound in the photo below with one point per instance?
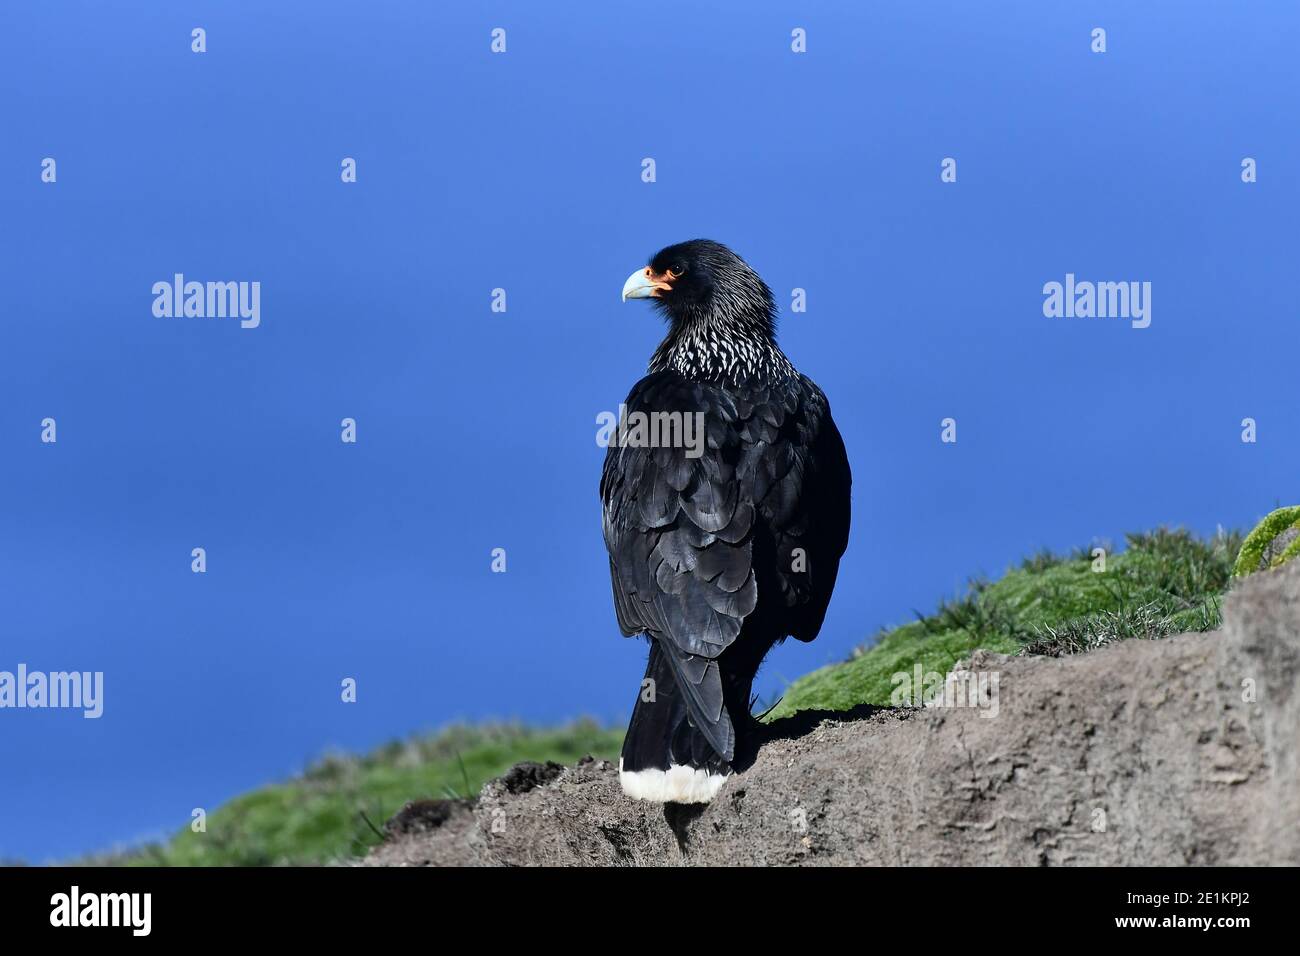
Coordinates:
(1171, 752)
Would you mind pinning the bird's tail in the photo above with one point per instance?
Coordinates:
(665, 756)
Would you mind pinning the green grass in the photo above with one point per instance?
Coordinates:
(317, 818)
(1164, 582)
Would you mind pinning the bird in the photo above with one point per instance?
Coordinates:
(725, 539)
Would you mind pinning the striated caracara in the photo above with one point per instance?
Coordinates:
(722, 546)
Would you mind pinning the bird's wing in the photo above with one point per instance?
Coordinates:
(810, 512)
(677, 527)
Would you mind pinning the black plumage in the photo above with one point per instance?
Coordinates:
(720, 550)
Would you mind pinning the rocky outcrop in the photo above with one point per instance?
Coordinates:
(1169, 752)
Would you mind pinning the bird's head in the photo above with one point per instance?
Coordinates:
(703, 280)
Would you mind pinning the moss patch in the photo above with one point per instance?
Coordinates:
(1271, 543)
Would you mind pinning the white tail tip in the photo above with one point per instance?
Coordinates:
(677, 784)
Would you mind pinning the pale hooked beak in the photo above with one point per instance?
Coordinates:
(644, 284)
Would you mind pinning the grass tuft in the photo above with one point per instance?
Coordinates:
(1166, 581)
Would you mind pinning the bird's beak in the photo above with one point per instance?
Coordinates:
(644, 284)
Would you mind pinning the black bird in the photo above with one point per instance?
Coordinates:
(723, 541)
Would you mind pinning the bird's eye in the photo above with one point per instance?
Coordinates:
(677, 270)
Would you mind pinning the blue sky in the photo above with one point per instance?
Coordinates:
(476, 430)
